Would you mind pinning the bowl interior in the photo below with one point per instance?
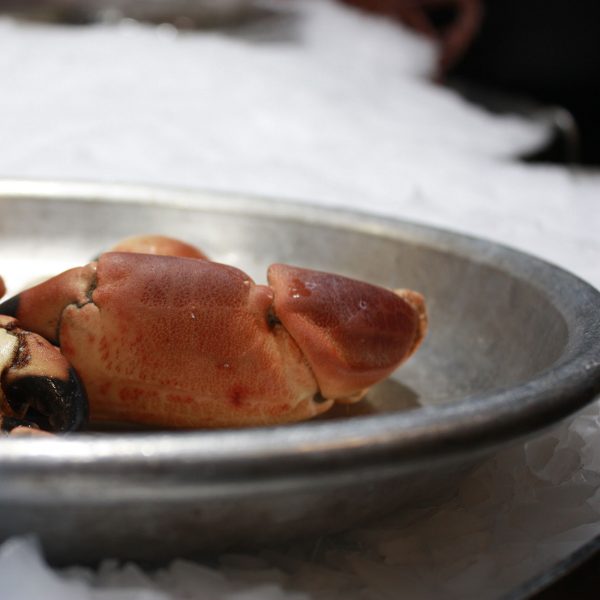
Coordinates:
(488, 328)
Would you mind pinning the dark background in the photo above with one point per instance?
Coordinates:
(548, 50)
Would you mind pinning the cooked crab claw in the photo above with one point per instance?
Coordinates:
(38, 388)
(352, 333)
(181, 342)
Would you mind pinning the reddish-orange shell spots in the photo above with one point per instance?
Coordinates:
(196, 317)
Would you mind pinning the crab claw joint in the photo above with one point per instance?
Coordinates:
(352, 333)
(38, 388)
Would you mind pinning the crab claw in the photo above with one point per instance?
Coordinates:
(37, 386)
(40, 308)
(352, 333)
(158, 244)
(181, 342)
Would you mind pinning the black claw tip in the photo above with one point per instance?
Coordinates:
(10, 307)
(272, 319)
(9, 423)
(318, 398)
(52, 404)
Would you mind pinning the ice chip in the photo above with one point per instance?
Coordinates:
(563, 465)
(25, 574)
(539, 452)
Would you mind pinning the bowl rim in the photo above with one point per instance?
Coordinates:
(399, 440)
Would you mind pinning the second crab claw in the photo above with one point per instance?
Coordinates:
(38, 388)
(159, 244)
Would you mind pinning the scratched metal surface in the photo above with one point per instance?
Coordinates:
(511, 349)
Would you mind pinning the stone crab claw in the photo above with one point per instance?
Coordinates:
(38, 388)
(181, 342)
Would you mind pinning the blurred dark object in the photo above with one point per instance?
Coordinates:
(563, 142)
(546, 49)
(452, 24)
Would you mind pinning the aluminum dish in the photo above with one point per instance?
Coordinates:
(182, 13)
(514, 346)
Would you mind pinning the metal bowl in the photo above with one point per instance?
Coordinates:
(514, 345)
(182, 13)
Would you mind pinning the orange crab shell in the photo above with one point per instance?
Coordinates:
(199, 353)
(181, 342)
